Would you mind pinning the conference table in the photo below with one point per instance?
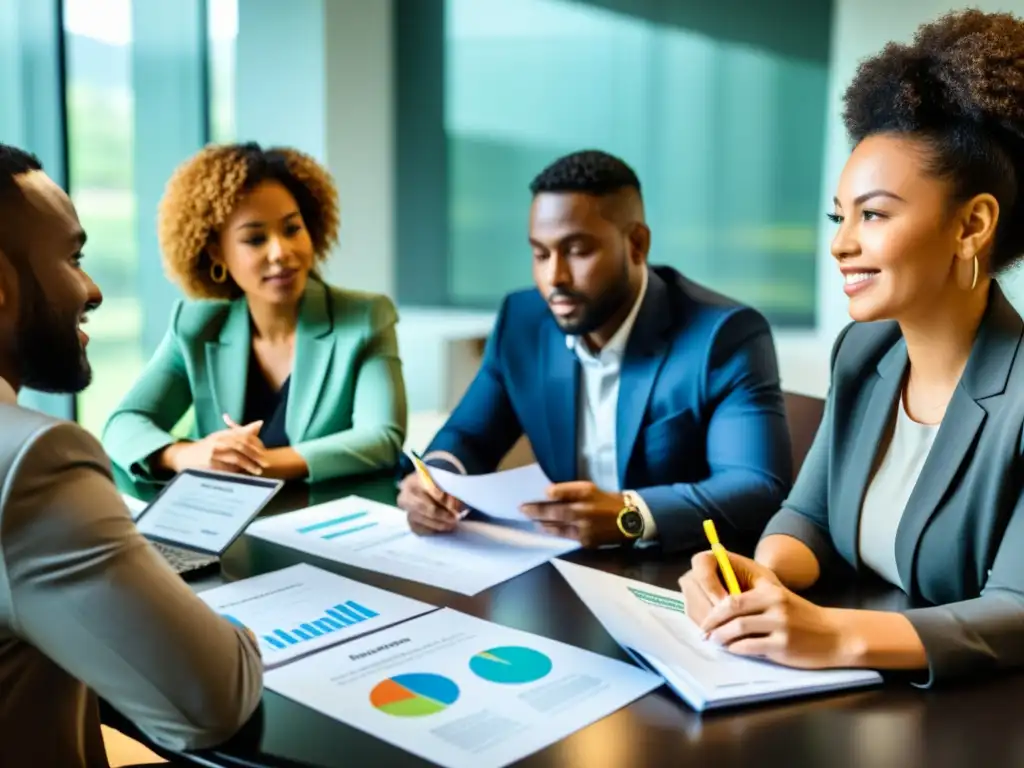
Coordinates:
(895, 725)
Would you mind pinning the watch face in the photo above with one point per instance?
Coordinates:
(632, 522)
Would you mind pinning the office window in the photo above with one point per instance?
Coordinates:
(101, 135)
(136, 102)
(222, 18)
(726, 132)
(32, 114)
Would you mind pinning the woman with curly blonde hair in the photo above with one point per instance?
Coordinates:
(916, 475)
(288, 376)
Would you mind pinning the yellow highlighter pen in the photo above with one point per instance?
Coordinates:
(723, 558)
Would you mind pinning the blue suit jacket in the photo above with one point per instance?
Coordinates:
(701, 427)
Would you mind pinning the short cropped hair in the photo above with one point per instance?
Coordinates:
(959, 87)
(15, 162)
(204, 191)
(589, 171)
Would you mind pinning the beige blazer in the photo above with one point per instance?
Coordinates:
(88, 607)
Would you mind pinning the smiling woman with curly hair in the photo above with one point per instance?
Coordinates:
(288, 377)
(917, 472)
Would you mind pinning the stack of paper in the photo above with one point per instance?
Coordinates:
(651, 624)
(456, 690)
(375, 536)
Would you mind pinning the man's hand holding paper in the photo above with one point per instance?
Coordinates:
(581, 511)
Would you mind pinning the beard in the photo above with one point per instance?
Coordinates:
(597, 311)
(46, 343)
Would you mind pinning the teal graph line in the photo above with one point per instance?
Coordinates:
(347, 531)
(329, 523)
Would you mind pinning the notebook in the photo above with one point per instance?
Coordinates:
(200, 513)
(651, 624)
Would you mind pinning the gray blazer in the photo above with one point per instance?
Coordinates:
(88, 607)
(960, 543)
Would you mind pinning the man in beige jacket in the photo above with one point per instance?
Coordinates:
(87, 607)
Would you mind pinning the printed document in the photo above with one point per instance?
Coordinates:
(651, 624)
(368, 534)
(498, 494)
(301, 609)
(460, 691)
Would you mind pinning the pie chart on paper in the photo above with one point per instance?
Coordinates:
(510, 665)
(414, 695)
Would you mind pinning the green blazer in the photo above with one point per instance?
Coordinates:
(346, 411)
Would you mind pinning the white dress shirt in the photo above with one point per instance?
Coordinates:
(597, 452)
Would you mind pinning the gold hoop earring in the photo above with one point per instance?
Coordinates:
(974, 281)
(218, 272)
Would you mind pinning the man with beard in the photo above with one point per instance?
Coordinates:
(651, 402)
(87, 607)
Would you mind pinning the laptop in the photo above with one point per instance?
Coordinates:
(200, 513)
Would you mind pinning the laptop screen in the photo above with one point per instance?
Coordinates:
(205, 511)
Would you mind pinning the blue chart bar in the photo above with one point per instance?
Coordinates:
(312, 630)
(339, 617)
(366, 612)
(347, 531)
(329, 523)
(284, 636)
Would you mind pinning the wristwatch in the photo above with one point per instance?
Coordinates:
(630, 521)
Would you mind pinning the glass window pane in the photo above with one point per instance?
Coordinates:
(136, 95)
(101, 109)
(727, 139)
(223, 32)
(32, 114)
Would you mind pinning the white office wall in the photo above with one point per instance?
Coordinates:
(360, 141)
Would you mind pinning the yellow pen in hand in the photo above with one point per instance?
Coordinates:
(422, 469)
(723, 558)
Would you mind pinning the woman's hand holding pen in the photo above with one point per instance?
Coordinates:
(766, 620)
(702, 585)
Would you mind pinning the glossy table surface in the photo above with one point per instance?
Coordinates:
(895, 725)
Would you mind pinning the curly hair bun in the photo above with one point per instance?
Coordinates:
(966, 66)
(959, 86)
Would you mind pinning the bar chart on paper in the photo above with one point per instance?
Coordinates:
(302, 608)
(334, 619)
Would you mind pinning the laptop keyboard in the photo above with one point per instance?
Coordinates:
(184, 560)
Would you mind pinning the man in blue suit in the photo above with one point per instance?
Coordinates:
(651, 402)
